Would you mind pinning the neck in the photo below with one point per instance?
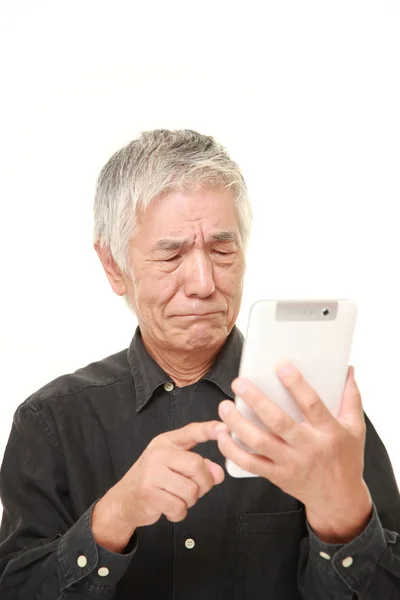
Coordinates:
(184, 368)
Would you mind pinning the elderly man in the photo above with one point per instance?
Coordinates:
(113, 481)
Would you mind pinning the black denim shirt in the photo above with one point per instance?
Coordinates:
(245, 540)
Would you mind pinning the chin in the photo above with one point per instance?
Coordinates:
(202, 335)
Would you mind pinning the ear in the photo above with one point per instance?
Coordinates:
(113, 272)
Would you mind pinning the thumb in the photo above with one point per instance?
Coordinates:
(216, 471)
(351, 410)
(189, 436)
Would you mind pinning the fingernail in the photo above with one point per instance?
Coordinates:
(220, 428)
(239, 386)
(284, 370)
(224, 408)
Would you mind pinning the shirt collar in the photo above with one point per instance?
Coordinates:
(148, 375)
(226, 364)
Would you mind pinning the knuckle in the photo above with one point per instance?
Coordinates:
(312, 402)
(332, 444)
(258, 443)
(312, 454)
(177, 512)
(153, 448)
(193, 428)
(156, 441)
(277, 423)
(180, 516)
(193, 493)
(157, 453)
(208, 484)
(193, 489)
(247, 463)
(196, 461)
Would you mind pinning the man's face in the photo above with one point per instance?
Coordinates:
(187, 268)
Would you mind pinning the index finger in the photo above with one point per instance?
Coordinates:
(277, 420)
(189, 436)
(311, 405)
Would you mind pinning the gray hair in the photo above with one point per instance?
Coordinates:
(159, 162)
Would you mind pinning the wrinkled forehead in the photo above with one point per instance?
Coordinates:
(170, 244)
(209, 214)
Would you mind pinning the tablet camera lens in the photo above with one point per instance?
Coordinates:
(325, 312)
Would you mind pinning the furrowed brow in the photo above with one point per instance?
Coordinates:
(230, 235)
(170, 244)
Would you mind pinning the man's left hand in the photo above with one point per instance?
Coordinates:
(318, 461)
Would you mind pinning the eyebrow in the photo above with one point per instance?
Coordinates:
(230, 235)
(172, 244)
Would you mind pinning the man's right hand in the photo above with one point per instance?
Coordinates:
(167, 479)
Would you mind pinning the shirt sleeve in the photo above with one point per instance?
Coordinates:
(367, 567)
(43, 552)
(355, 563)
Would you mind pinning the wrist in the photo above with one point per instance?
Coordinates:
(108, 529)
(346, 522)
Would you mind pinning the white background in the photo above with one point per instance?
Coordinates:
(304, 95)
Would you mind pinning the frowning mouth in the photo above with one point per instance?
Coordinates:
(208, 314)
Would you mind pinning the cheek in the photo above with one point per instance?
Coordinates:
(230, 281)
(156, 289)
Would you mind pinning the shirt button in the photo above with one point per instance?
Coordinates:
(82, 561)
(347, 562)
(168, 387)
(189, 543)
(103, 571)
(325, 555)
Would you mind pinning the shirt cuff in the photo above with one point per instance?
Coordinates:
(81, 559)
(354, 562)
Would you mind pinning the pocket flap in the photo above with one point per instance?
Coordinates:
(261, 523)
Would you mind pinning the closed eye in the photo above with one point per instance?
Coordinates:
(171, 259)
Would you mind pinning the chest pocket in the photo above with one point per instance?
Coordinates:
(268, 548)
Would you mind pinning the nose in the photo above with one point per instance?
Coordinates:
(199, 275)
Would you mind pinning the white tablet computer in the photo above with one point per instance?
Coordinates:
(314, 335)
